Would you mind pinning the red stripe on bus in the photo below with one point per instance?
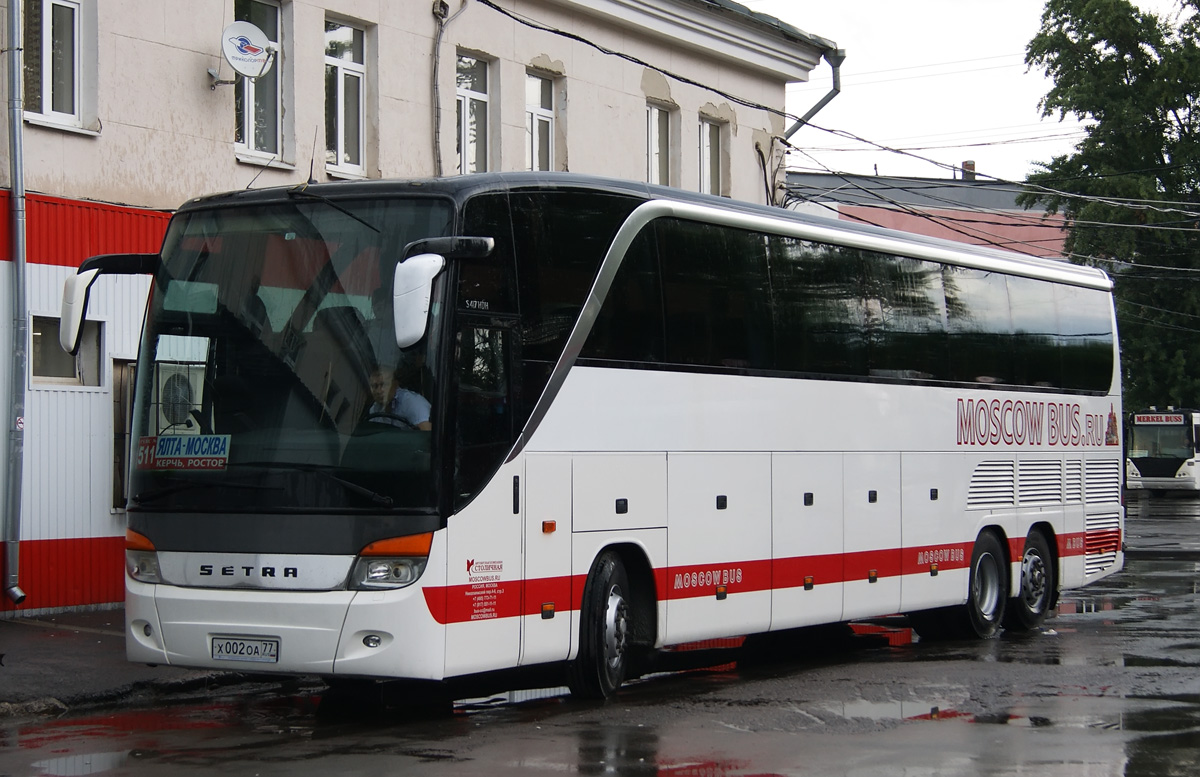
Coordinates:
(510, 598)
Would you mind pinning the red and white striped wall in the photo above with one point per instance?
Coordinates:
(72, 536)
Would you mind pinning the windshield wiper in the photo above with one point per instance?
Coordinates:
(188, 485)
(303, 192)
(377, 498)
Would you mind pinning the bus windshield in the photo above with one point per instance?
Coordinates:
(269, 378)
(1160, 442)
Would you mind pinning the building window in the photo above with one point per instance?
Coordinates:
(60, 62)
(49, 363)
(539, 123)
(345, 97)
(710, 157)
(658, 145)
(472, 141)
(257, 100)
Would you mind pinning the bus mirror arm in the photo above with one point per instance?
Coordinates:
(460, 247)
(412, 288)
(77, 288)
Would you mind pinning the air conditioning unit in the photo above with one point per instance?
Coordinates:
(179, 391)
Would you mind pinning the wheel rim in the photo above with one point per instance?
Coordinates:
(616, 622)
(985, 590)
(1034, 589)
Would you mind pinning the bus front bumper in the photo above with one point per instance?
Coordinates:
(350, 633)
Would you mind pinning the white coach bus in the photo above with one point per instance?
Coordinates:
(437, 428)
(1163, 450)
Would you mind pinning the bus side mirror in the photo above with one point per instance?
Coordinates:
(78, 286)
(412, 288)
(74, 308)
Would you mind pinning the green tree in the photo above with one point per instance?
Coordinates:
(1131, 189)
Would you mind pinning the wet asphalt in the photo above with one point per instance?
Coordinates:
(54, 663)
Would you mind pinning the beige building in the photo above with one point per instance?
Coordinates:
(683, 92)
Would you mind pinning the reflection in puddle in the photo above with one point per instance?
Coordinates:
(78, 765)
(915, 709)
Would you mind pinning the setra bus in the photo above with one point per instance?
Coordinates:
(1162, 450)
(645, 418)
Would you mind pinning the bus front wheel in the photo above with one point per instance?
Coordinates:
(603, 660)
(988, 592)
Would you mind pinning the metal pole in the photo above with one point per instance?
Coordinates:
(16, 428)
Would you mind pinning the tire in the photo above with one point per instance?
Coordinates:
(1035, 596)
(983, 614)
(604, 629)
(987, 594)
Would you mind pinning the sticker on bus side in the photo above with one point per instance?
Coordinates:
(183, 452)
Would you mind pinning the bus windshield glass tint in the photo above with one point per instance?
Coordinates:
(269, 378)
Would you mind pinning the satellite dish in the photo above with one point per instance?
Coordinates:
(247, 49)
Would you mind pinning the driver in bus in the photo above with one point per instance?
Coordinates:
(396, 405)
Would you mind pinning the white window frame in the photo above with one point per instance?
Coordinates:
(537, 116)
(346, 69)
(43, 338)
(712, 156)
(659, 147)
(463, 99)
(82, 116)
(248, 88)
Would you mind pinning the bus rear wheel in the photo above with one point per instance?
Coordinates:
(1028, 609)
(604, 648)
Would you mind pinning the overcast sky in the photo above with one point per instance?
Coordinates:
(944, 79)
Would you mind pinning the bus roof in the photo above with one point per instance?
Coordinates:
(462, 187)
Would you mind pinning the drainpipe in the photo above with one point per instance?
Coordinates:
(835, 58)
(16, 430)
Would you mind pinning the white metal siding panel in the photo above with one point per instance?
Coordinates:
(67, 489)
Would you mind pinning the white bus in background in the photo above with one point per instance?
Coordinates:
(1162, 449)
(656, 418)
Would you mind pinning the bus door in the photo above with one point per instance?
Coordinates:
(806, 515)
(718, 545)
(872, 535)
(484, 572)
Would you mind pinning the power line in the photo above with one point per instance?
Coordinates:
(978, 144)
(1110, 201)
(1021, 56)
(852, 79)
(1114, 202)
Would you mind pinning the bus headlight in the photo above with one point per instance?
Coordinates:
(142, 566)
(387, 572)
(391, 563)
(141, 558)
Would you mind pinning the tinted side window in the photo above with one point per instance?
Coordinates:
(978, 325)
(818, 309)
(716, 296)
(904, 316)
(629, 327)
(1085, 338)
(482, 356)
(1037, 360)
(489, 285)
(561, 240)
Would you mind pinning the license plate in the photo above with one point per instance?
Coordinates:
(258, 649)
